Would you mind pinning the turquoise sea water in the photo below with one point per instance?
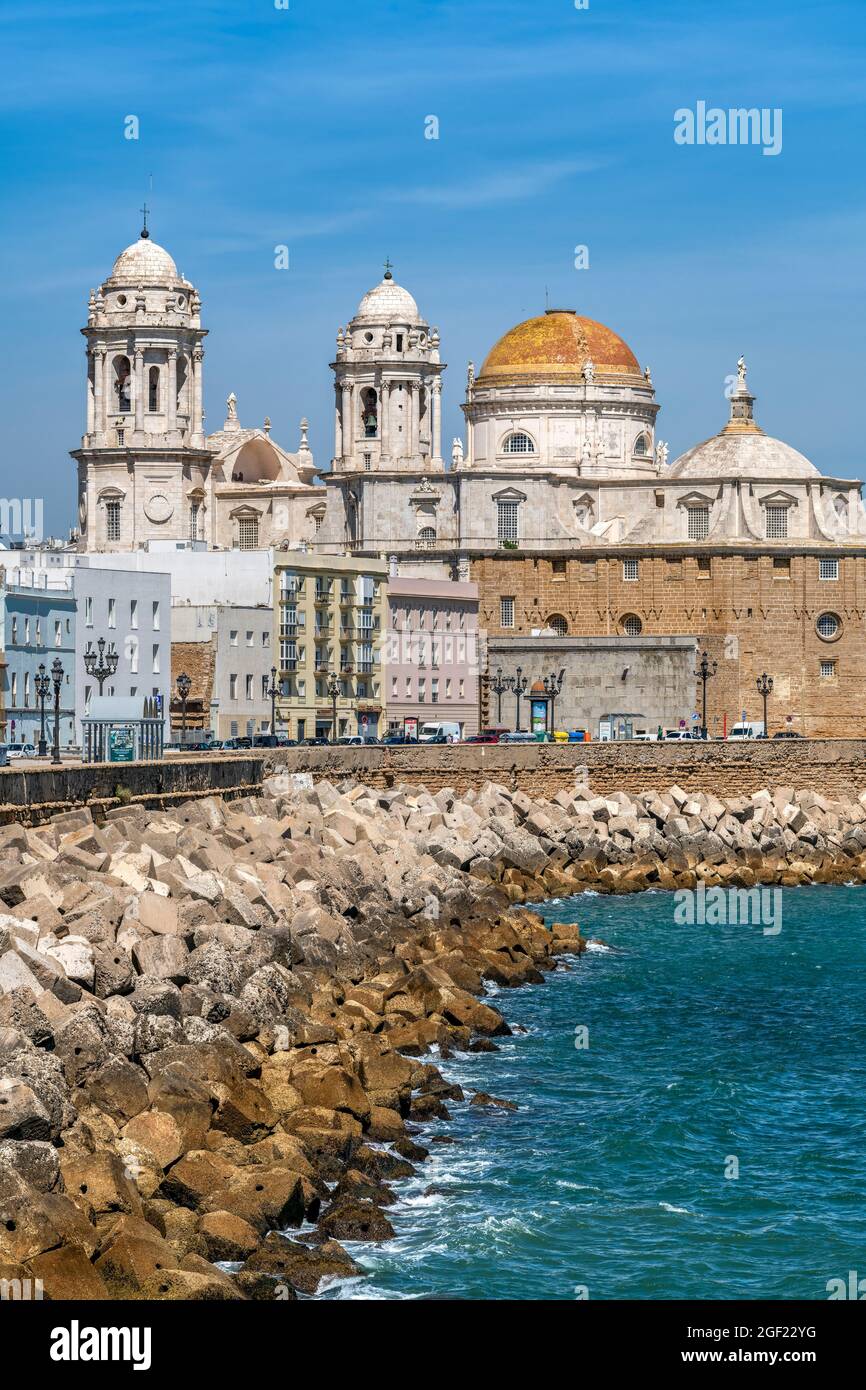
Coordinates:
(705, 1043)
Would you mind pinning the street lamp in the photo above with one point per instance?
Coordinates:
(102, 665)
(273, 691)
(57, 677)
(333, 692)
(499, 686)
(184, 685)
(519, 688)
(552, 687)
(765, 686)
(706, 670)
(42, 684)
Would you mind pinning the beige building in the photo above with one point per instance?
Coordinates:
(148, 474)
(330, 618)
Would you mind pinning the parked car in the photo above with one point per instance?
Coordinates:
(265, 741)
(398, 739)
(429, 733)
(283, 741)
(787, 733)
(522, 737)
(21, 750)
(316, 742)
(678, 733)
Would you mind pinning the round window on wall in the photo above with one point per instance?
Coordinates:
(632, 625)
(558, 623)
(828, 626)
(121, 299)
(368, 337)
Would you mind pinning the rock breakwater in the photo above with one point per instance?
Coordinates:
(214, 1020)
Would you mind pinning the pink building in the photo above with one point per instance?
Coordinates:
(431, 670)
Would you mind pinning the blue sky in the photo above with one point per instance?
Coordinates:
(305, 126)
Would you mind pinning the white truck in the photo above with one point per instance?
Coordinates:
(752, 728)
(440, 732)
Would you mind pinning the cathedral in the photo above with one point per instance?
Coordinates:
(562, 504)
(564, 508)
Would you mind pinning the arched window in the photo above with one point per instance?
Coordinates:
(558, 623)
(194, 510)
(369, 413)
(426, 536)
(122, 376)
(641, 446)
(632, 625)
(518, 444)
(153, 389)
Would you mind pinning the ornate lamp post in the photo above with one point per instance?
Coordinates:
(42, 684)
(273, 692)
(184, 685)
(101, 665)
(706, 670)
(333, 692)
(552, 686)
(520, 682)
(57, 678)
(765, 686)
(499, 686)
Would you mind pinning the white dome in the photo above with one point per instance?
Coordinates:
(743, 455)
(388, 301)
(146, 262)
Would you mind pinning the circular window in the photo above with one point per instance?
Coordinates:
(632, 625)
(558, 623)
(121, 299)
(828, 626)
(368, 337)
(181, 299)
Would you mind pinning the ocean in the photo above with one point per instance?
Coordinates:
(708, 1141)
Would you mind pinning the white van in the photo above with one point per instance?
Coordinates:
(439, 733)
(753, 729)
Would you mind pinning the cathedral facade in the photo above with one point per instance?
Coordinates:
(564, 509)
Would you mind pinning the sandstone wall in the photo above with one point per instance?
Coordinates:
(834, 767)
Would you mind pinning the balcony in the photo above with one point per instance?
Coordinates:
(322, 630)
(347, 598)
(346, 668)
(323, 596)
(365, 668)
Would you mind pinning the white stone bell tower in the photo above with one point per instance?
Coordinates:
(143, 458)
(388, 385)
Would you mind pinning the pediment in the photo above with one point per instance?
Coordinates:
(509, 494)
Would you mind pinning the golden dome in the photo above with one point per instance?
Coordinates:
(556, 347)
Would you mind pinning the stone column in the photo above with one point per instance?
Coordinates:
(414, 418)
(338, 427)
(106, 389)
(93, 387)
(348, 431)
(436, 444)
(384, 407)
(197, 359)
(95, 413)
(139, 390)
(171, 390)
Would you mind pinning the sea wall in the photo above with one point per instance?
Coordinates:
(835, 768)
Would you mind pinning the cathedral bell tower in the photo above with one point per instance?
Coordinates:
(144, 451)
(388, 387)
